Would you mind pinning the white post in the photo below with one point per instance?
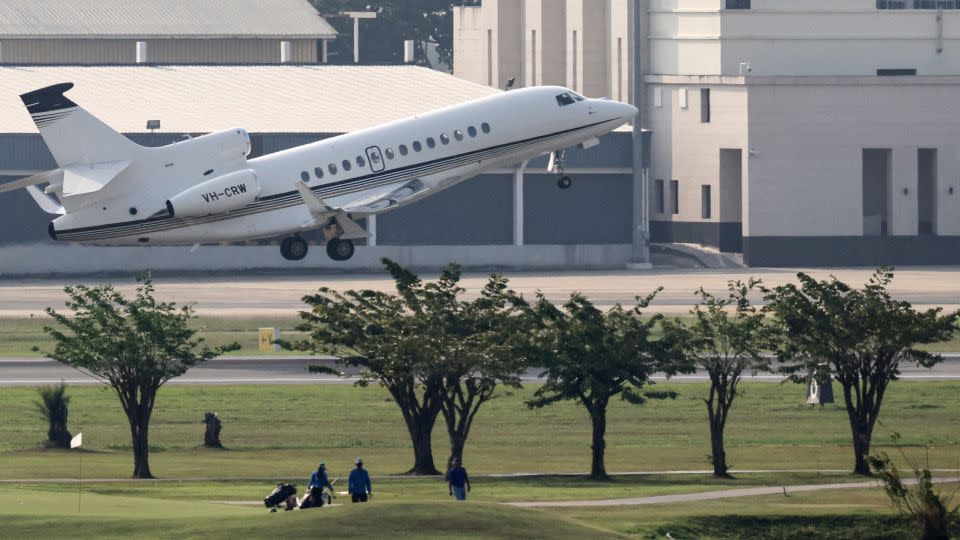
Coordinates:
(518, 204)
(286, 52)
(326, 45)
(356, 40)
(141, 52)
(372, 229)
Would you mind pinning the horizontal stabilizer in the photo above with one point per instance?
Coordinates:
(45, 202)
(84, 179)
(35, 180)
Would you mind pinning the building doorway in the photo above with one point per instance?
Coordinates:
(927, 191)
(876, 191)
(731, 200)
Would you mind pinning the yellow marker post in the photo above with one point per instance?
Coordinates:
(267, 338)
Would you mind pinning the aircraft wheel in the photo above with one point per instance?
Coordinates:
(340, 250)
(564, 182)
(294, 248)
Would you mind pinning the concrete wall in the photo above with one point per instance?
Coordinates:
(805, 176)
(488, 42)
(545, 59)
(818, 37)
(159, 51)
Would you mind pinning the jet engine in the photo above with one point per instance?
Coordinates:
(217, 196)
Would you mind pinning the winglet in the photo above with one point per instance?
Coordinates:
(48, 99)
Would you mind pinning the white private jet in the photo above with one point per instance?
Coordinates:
(110, 191)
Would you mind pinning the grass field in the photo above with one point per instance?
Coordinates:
(279, 433)
(18, 336)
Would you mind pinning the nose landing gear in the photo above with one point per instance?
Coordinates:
(294, 248)
(556, 165)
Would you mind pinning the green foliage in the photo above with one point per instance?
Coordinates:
(424, 21)
(592, 357)
(862, 334)
(52, 406)
(434, 352)
(726, 345)
(932, 510)
(134, 345)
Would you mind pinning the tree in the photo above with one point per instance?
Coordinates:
(592, 357)
(53, 407)
(932, 510)
(390, 337)
(480, 352)
(425, 22)
(134, 345)
(726, 345)
(862, 334)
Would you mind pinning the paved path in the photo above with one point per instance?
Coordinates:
(293, 370)
(710, 495)
(271, 295)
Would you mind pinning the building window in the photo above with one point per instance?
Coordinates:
(305, 176)
(533, 58)
(705, 210)
(658, 97)
(489, 57)
(705, 105)
(683, 98)
(661, 197)
(619, 69)
(575, 51)
(738, 4)
(675, 196)
(896, 72)
(318, 172)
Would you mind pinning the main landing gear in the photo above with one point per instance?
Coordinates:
(294, 248)
(340, 250)
(556, 165)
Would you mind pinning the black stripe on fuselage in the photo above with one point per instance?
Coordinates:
(292, 198)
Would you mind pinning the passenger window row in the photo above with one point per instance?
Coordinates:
(346, 165)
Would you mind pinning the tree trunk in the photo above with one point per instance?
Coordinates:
(141, 449)
(456, 448)
(718, 455)
(58, 436)
(598, 470)
(420, 434)
(861, 449)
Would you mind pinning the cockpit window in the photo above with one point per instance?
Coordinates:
(577, 96)
(565, 99)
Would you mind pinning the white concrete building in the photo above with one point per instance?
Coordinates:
(800, 132)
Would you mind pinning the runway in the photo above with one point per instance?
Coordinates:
(293, 370)
(279, 295)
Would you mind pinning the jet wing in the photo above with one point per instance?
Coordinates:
(322, 213)
(380, 203)
(84, 179)
(37, 179)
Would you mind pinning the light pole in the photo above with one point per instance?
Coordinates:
(640, 253)
(356, 16)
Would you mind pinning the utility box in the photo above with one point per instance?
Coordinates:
(268, 339)
(820, 386)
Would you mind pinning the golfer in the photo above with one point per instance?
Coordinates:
(359, 484)
(458, 480)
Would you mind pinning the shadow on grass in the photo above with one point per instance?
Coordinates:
(841, 527)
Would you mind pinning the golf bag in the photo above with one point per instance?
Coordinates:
(284, 495)
(313, 499)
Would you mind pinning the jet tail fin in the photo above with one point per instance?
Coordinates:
(73, 135)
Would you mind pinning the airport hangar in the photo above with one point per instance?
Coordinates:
(511, 218)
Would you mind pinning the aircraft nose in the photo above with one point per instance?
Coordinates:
(627, 111)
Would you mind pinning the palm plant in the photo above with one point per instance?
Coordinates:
(52, 405)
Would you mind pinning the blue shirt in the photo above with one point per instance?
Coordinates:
(319, 479)
(359, 481)
(457, 477)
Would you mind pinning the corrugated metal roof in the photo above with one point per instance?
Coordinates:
(161, 18)
(261, 99)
